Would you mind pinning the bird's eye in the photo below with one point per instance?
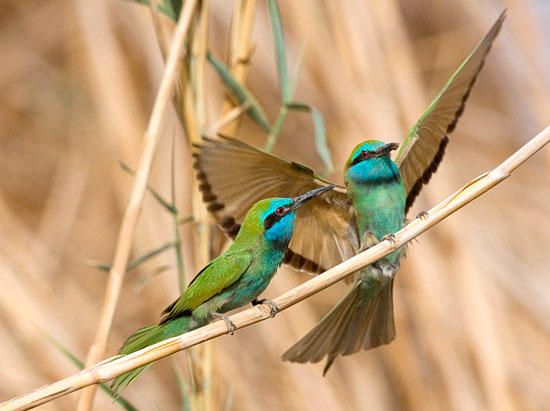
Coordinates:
(364, 153)
(280, 210)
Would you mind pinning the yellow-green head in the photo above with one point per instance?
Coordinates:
(273, 218)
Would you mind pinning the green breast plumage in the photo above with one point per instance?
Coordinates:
(376, 190)
(380, 208)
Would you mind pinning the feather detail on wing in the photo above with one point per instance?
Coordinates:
(233, 175)
(220, 273)
(425, 145)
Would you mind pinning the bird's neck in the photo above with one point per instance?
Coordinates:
(375, 171)
(269, 255)
(261, 246)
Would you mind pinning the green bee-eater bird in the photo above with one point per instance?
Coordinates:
(376, 197)
(231, 280)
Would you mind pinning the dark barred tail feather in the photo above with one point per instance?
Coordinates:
(347, 328)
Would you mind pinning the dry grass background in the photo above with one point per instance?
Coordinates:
(472, 300)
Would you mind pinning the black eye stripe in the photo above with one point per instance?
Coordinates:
(359, 158)
(272, 218)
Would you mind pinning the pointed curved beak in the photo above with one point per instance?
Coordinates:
(304, 198)
(386, 149)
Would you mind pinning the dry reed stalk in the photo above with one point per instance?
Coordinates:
(227, 118)
(207, 392)
(506, 241)
(403, 70)
(195, 109)
(131, 214)
(190, 104)
(159, 31)
(239, 52)
(109, 369)
(199, 52)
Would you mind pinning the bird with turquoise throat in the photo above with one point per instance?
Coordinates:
(232, 280)
(377, 195)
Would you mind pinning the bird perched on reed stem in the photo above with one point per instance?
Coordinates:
(231, 280)
(331, 229)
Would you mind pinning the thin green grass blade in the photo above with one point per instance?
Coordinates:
(185, 219)
(321, 139)
(192, 362)
(276, 129)
(169, 207)
(255, 110)
(79, 364)
(280, 51)
(171, 8)
(320, 134)
(123, 381)
(241, 92)
(134, 263)
(181, 386)
(124, 403)
(142, 282)
(98, 264)
(296, 71)
(175, 217)
(229, 398)
(140, 260)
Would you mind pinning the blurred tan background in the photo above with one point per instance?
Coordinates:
(472, 300)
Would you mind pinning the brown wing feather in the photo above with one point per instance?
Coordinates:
(425, 145)
(233, 175)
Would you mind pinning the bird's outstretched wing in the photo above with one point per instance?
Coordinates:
(233, 175)
(425, 145)
(220, 273)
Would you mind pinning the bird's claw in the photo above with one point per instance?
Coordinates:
(231, 327)
(390, 237)
(272, 306)
(369, 240)
(423, 215)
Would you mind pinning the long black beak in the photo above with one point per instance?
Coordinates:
(386, 149)
(304, 198)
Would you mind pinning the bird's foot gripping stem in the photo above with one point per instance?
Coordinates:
(231, 327)
(390, 237)
(272, 306)
(423, 215)
(369, 240)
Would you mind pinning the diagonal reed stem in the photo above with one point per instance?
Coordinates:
(131, 214)
(110, 369)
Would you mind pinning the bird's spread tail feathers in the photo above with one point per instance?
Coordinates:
(145, 337)
(348, 327)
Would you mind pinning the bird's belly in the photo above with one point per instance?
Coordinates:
(380, 210)
(245, 290)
